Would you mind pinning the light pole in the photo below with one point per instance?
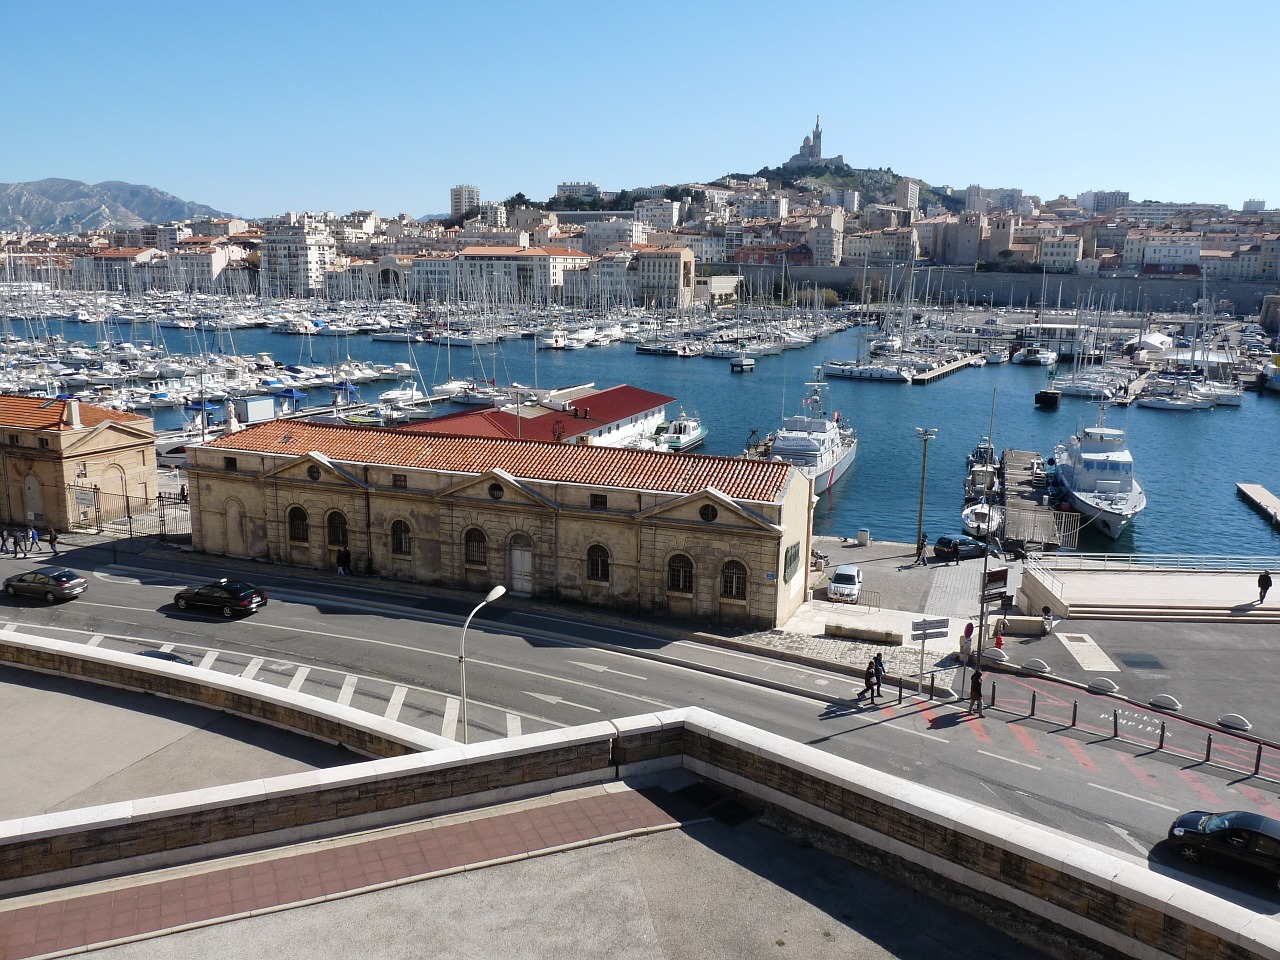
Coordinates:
(925, 434)
(492, 595)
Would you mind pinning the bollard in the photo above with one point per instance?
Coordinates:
(993, 693)
(932, 680)
(1160, 745)
(1208, 747)
(1115, 724)
(1075, 709)
(1033, 704)
(1257, 761)
(899, 690)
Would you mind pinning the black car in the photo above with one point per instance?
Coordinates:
(1236, 837)
(228, 596)
(167, 656)
(958, 548)
(52, 583)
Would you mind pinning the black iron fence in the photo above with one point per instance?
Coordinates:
(91, 510)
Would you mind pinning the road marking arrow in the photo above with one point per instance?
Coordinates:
(553, 699)
(599, 669)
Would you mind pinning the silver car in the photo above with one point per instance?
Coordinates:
(52, 583)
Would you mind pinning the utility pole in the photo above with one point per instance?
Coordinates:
(925, 434)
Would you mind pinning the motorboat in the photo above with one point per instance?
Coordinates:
(871, 370)
(1035, 353)
(981, 519)
(820, 445)
(407, 392)
(683, 433)
(997, 356)
(1094, 470)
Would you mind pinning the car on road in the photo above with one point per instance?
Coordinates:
(845, 585)
(958, 548)
(51, 583)
(167, 656)
(1235, 838)
(228, 597)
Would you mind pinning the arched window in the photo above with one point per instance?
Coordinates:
(336, 523)
(680, 574)
(298, 529)
(401, 538)
(733, 581)
(476, 546)
(597, 563)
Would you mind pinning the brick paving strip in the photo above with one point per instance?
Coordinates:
(66, 922)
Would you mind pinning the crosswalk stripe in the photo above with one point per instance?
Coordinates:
(449, 729)
(96, 639)
(513, 725)
(1025, 739)
(1198, 785)
(252, 669)
(979, 732)
(1079, 753)
(348, 691)
(167, 647)
(1146, 779)
(206, 662)
(396, 701)
(1087, 653)
(299, 676)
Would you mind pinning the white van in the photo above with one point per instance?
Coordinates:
(845, 585)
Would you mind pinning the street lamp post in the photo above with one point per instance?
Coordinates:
(492, 595)
(925, 434)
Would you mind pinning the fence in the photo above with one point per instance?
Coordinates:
(91, 510)
(1112, 562)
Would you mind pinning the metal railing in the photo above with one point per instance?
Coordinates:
(1035, 565)
(1149, 563)
(92, 510)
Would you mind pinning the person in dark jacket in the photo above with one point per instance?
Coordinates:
(869, 681)
(879, 665)
(975, 693)
(1264, 584)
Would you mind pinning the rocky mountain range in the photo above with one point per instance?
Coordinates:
(68, 206)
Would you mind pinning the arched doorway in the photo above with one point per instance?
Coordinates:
(521, 566)
(32, 500)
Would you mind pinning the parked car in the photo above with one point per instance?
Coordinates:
(958, 548)
(166, 655)
(52, 583)
(227, 596)
(845, 585)
(1235, 837)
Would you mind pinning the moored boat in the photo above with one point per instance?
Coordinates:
(820, 445)
(1094, 470)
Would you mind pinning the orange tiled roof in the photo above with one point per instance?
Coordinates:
(737, 478)
(35, 413)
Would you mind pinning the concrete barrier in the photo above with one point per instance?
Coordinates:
(886, 637)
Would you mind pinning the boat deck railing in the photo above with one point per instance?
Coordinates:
(1118, 562)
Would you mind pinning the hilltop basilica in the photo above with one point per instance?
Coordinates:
(810, 154)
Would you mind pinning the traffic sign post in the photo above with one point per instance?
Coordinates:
(923, 630)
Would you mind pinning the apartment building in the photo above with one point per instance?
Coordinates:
(463, 197)
(1060, 254)
(663, 278)
(297, 251)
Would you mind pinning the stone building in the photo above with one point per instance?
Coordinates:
(716, 538)
(64, 463)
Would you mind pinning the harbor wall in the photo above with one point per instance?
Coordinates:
(1130, 292)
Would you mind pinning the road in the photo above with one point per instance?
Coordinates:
(530, 670)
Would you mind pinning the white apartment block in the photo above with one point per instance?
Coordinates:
(664, 278)
(1060, 254)
(1151, 212)
(761, 208)
(578, 188)
(1170, 250)
(1254, 206)
(296, 253)
(600, 235)
(906, 193)
(200, 267)
(658, 214)
(463, 197)
(900, 244)
(848, 200)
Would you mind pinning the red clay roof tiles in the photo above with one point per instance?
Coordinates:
(37, 413)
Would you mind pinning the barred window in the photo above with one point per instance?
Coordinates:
(597, 563)
(733, 581)
(400, 481)
(299, 532)
(337, 528)
(401, 539)
(476, 546)
(680, 574)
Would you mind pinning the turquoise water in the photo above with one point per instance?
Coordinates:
(1189, 462)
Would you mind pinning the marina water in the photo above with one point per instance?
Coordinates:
(1189, 461)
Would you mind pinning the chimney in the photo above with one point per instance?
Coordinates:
(72, 414)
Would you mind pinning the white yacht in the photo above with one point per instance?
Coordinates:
(871, 370)
(981, 519)
(1034, 353)
(1095, 471)
(820, 445)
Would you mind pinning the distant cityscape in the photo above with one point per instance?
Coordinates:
(667, 246)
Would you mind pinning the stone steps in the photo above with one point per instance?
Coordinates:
(1183, 613)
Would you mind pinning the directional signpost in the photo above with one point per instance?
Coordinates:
(923, 630)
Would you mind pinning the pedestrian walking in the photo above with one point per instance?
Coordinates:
(19, 541)
(4, 540)
(34, 536)
(344, 561)
(53, 540)
(975, 693)
(869, 681)
(1264, 584)
(920, 548)
(879, 664)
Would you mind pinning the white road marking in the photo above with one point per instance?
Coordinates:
(918, 733)
(96, 639)
(252, 669)
(1087, 653)
(348, 691)
(167, 647)
(207, 662)
(10, 627)
(396, 702)
(996, 756)
(449, 728)
(1127, 838)
(513, 725)
(599, 669)
(299, 676)
(553, 699)
(1130, 796)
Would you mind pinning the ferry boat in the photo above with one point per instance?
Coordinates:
(818, 444)
(1095, 472)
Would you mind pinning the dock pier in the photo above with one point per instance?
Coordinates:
(946, 370)
(1262, 500)
(1030, 521)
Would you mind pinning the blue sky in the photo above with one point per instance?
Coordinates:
(256, 108)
